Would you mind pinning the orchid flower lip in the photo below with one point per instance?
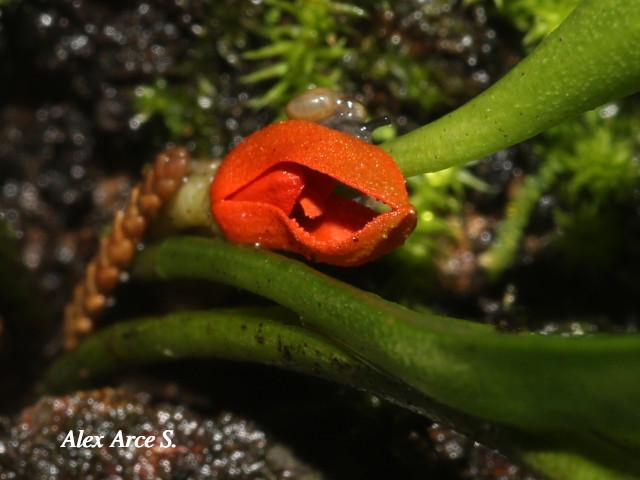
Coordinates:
(281, 188)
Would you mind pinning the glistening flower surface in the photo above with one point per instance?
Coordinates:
(281, 188)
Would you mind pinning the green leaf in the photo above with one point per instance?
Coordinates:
(582, 386)
(590, 59)
(272, 337)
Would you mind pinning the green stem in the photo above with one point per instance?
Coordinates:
(584, 385)
(560, 464)
(261, 335)
(502, 253)
(267, 336)
(593, 57)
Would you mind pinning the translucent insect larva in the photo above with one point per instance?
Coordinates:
(314, 105)
(322, 104)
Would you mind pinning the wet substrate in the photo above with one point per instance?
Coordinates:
(69, 153)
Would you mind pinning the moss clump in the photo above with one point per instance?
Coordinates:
(408, 59)
(306, 45)
(591, 166)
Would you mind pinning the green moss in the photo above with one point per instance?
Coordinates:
(306, 45)
(598, 154)
(178, 106)
(200, 100)
(252, 57)
(517, 215)
(188, 110)
(592, 166)
(240, 50)
(601, 176)
(437, 197)
(407, 79)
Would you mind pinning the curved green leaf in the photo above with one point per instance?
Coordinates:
(593, 57)
(552, 385)
(265, 335)
(269, 336)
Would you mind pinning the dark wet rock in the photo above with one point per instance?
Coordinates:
(224, 447)
(47, 189)
(47, 178)
(51, 146)
(66, 145)
(471, 459)
(92, 44)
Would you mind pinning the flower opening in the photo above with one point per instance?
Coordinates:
(282, 187)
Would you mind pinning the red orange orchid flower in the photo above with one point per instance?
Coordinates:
(278, 189)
